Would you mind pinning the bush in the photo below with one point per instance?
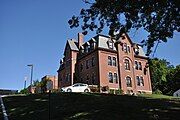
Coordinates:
(105, 88)
(111, 91)
(24, 91)
(157, 92)
(94, 89)
(119, 92)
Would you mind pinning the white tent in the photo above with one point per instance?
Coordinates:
(177, 93)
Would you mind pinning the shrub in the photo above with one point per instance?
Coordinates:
(111, 91)
(157, 92)
(94, 89)
(119, 92)
(104, 88)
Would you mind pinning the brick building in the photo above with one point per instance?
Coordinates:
(103, 61)
(50, 80)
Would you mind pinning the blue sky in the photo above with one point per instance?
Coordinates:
(35, 32)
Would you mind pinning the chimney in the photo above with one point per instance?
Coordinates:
(80, 39)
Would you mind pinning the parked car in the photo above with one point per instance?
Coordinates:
(77, 87)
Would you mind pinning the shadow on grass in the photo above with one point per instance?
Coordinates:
(1, 114)
(76, 106)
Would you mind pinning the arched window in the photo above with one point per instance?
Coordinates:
(128, 81)
(127, 64)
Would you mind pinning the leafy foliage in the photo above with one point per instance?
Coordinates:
(165, 78)
(24, 91)
(159, 18)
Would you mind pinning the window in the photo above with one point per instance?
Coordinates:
(126, 64)
(136, 51)
(140, 66)
(81, 67)
(109, 61)
(87, 48)
(115, 78)
(110, 77)
(128, 48)
(114, 61)
(140, 81)
(136, 65)
(125, 47)
(93, 61)
(87, 64)
(76, 85)
(145, 71)
(128, 81)
(110, 44)
(82, 49)
(92, 45)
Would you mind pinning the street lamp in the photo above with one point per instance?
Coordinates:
(25, 79)
(31, 65)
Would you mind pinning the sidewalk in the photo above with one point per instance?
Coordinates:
(3, 108)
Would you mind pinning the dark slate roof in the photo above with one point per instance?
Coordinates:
(73, 44)
(141, 52)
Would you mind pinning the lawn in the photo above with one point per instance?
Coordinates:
(79, 106)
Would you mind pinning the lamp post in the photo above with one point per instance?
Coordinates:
(31, 65)
(25, 79)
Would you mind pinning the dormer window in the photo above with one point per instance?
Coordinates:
(86, 49)
(82, 49)
(136, 51)
(92, 45)
(110, 44)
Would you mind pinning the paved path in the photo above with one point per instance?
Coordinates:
(3, 109)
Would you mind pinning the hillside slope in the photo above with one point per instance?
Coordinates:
(77, 106)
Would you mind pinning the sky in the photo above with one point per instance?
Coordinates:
(35, 32)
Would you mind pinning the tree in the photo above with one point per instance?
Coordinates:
(36, 82)
(158, 72)
(24, 91)
(159, 18)
(173, 81)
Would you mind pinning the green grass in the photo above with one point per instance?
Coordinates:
(158, 96)
(79, 106)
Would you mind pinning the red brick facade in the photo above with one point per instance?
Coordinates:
(102, 61)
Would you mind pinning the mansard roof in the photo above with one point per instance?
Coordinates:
(102, 42)
(73, 44)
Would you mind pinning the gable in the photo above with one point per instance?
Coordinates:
(71, 45)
